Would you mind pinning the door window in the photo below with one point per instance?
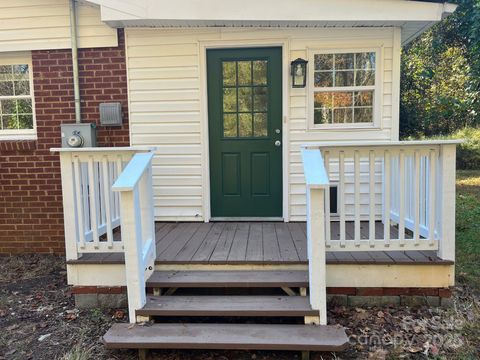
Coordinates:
(245, 99)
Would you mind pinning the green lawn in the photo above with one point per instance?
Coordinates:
(468, 227)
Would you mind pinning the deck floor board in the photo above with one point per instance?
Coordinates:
(257, 243)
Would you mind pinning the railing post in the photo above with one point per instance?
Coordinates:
(446, 203)
(68, 197)
(132, 242)
(316, 251)
(137, 227)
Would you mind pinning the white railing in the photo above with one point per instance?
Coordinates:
(138, 227)
(317, 186)
(108, 207)
(391, 195)
(91, 210)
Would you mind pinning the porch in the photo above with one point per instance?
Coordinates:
(379, 216)
(258, 243)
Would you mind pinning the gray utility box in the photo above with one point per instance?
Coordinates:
(110, 114)
(79, 135)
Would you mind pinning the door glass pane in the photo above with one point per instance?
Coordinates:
(260, 124)
(244, 72)
(245, 125)
(260, 99)
(229, 73)
(260, 72)
(230, 100)
(230, 125)
(244, 99)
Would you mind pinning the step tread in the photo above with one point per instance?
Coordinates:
(227, 336)
(227, 306)
(237, 278)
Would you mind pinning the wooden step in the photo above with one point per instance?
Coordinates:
(227, 306)
(229, 279)
(227, 336)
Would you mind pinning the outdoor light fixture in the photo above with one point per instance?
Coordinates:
(299, 73)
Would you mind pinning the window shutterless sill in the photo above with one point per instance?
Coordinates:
(344, 128)
(18, 137)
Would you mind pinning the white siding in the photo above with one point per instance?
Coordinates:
(45, 24)
(167, 102)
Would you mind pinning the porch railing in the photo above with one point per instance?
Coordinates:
(138, 227)
(108, 207)
(389, 196)
(92, 212)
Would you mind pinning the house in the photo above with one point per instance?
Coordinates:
(247, 144)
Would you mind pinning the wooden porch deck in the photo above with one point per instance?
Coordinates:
(263, 243)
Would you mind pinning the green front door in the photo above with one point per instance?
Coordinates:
(245, 131)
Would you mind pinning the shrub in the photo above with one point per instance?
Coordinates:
(468, 153)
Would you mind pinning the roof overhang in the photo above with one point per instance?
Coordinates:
(414, 17)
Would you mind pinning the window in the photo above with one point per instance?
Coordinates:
(344, 88)
(16, 99)
(245, 98)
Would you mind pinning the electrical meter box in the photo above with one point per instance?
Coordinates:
(79, 135)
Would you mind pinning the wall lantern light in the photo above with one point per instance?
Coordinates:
(299, 73)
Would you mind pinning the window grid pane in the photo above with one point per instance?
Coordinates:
(353, 70)
(15, 98)
(245, 98)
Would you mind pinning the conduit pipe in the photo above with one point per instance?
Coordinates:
(73, 36)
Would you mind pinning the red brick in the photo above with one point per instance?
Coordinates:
(370, 291)
(31, 215)
(445, 293)
(341, 290)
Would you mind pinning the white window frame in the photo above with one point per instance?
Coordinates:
(21, 134)
(377, 88)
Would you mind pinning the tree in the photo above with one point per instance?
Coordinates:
(440, 87)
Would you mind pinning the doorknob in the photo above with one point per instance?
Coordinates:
(278, 143)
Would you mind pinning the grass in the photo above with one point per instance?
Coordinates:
(468, 228)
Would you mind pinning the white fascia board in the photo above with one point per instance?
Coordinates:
(298, 10)
(124, 9)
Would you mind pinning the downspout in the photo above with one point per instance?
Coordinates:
(73, 36)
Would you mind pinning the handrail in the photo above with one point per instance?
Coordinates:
(313, 166)
(103, 149)
(133, 172)
(138, 227)
(337, 144)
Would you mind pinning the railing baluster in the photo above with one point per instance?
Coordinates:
(107, 193)
(356, 160)
(371, 180)
(341, 192)
(79, 195)
(401, 192)
(93, 187)
(387, 210)
(416, 214)
(431, 196)
(328, 237)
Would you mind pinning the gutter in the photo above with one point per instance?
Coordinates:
(73, 36)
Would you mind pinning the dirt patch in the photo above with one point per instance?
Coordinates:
(38, 320)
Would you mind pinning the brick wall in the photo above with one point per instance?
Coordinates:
(31, 214)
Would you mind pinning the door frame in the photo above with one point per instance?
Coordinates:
(204, 131)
